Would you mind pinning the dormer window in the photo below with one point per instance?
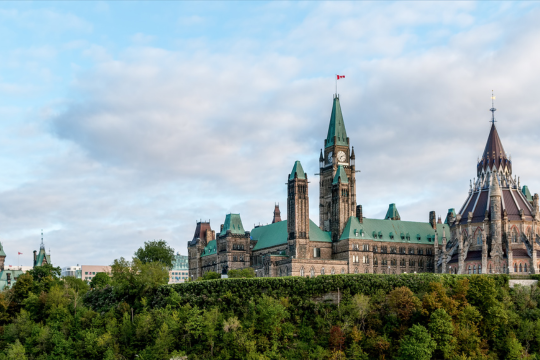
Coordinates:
(418, 237)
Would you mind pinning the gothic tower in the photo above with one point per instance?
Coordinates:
(337, 155)
(341, 204)
(495, 226)
(298, 212)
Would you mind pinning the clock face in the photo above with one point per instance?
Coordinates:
(330, 157)
(341, 156)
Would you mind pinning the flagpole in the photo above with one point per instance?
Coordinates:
(336, 84)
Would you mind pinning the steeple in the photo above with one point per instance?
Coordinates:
(277, 215)
(337, 135)
(298, 170)
(494, 154)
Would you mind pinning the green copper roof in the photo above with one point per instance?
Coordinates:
(297, 169)
(392, 212)
(233, 223)
(336, 127)
(340, 173)
(276, 234)
(42, 258)
(2, 253)
(14, 276)
(450, 211)
(392, 230)
(210, 249)
(527, 193)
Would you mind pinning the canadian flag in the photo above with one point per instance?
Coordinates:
(340, 77)
(20, 253)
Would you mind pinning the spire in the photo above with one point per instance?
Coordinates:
(495, 189)
(277, 215)
(352, 154)
(337, 135)
(42, 246)
(297, 169)
(340, 173)
(392, 213)
(321, 158)
(494, 154)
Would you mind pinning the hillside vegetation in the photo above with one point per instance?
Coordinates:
(410, 316)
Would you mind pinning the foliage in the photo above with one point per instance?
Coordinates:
(241, 273)
(156, 251)
(100, 281)
(413, 316)
(210, 275)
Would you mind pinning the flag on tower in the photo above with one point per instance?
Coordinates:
(340, 77)
(20, 253)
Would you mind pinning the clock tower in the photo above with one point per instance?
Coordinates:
(336, 155)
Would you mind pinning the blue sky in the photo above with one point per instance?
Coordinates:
(122, 122)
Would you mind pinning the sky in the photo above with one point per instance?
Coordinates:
(123, 122)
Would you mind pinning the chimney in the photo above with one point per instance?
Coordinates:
(433, 220)
(221, 228)
(359, 214)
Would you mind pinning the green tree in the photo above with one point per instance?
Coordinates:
(80, 286)
(156, 251)
(16, 351)
(100, 281)
(241, 273)
(441, 330)
(210, 275)
(417, 344)
(45, 272)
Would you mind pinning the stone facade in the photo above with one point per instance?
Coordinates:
(496, 230)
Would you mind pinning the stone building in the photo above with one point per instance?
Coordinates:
(343, 242)
(495, 231)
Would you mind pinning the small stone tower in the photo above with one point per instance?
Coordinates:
(495, 225)
(298, 212)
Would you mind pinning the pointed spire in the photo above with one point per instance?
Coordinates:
(352, 154)
(337, 135)
(321, 158)
(494, 153)
(495, 189)
(298, 170)
(277, 214)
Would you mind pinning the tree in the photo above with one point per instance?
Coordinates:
(403, 302)
(241, 273)
(80, 286)
(210, 275)
(441, 330)
(100, 281)
(417, 344)
(156, 251)
(45, 272)
(16, 351)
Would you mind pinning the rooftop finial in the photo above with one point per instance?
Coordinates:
(42, 246)
(492, 108)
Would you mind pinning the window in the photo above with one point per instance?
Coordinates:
(234, 247)
(421, 263)
(234, 258)
(520, 268)
(402, 262)
(343, 270)
(469, 269)
(355, 247)
(302, 271)
(316, 252)
(429, 251)
(356, 270)
(479, 238)
(411, 262)
(366, 247)
(312, 272)
(333, 271)
(384, 249)
(420, 251)
(474, 269)
(525, 268)
(515, 268)
(374, 248)
(411, 251)
(402, 250)
(322, 271)
(365, 259)
(94, 273)
(393, 262)
(384, 262)
(375, 261)
(514, 236)
(479, 269)
(393, 250)
(86, 273)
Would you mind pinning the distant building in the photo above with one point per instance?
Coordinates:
(41, 258)
(180, 269)
(75, 271)
(89, 271)
(9, 276)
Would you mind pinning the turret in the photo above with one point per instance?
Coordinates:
(298, 212)
(495, 224)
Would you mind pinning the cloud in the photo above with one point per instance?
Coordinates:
(151, 138)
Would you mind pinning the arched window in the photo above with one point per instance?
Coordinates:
(312, 272)
(367, 271)
(514, 235)
(515, 268)
(520, 268)
(479, 269)
(343, 270)
(333, 271)
(490, 268)
(322, 271)
(479, 238)
(474, 269)
(302, 271)
(525, 268)
(469, 269)
(356, 270)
